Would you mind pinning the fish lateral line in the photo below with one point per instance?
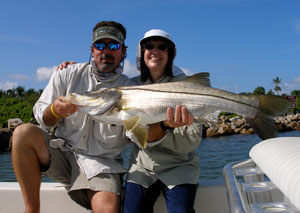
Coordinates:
(194, 94)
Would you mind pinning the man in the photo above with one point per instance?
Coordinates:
(83, 154)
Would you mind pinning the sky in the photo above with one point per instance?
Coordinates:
(243, 44)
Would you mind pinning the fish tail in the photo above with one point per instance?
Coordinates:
(274, 105)
(269, 106)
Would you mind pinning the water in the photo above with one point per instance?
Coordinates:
(214, 154)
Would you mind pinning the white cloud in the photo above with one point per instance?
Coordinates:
(293, 85)
(186, 71)
(44, 73)
(18, 77)
(130, 69)
(8, 85)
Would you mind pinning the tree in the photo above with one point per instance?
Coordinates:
(277, 81)
(17, 103)
(20, 91)
(2, 93)
(30, 92)
(296, 92)
(270, 92)
(11, 93)
(259, 91)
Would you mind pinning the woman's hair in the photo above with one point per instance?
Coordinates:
(145, 72)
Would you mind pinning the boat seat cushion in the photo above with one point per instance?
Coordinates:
(279, 159)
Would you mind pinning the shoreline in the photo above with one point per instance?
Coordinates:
(225, 126)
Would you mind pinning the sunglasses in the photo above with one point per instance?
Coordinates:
(160, 46)
(110, 45)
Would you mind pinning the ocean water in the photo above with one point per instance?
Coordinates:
(214, 154)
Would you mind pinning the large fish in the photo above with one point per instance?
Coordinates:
(136, 106)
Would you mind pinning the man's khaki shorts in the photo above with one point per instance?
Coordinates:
(64, 169)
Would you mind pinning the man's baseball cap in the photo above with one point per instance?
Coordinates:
(108, 32)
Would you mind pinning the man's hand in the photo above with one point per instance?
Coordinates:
(57, 110)
(63, 109)
(64, 65)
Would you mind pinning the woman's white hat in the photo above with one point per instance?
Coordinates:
(157, 33)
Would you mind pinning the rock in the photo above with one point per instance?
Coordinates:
(240, 122)
(5, 135)
(224, 119)
(239, 125)
(211, 132)
(225, 129)
(247, 131)
(237, 130)
(288, 118)
(14, 122)
(294, 125)
(233, 126)
(278, 120)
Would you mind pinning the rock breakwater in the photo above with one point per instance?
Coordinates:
(239, 125)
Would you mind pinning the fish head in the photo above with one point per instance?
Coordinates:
(95, 103)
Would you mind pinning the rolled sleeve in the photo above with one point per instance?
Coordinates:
(184, 139)
(55, 87)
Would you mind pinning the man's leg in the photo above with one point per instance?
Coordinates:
(104, 202)
(29, 152)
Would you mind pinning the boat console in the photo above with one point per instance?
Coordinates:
(269, 181)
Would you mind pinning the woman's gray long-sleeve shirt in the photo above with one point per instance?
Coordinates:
(173, 160)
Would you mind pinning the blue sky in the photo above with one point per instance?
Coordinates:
(242, 43)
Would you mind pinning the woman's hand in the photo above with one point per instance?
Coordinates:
(181, 117)
(65, 64)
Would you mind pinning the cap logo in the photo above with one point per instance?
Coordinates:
(108, 32)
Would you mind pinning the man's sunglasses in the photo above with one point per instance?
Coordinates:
(160, 46)
(110, 45)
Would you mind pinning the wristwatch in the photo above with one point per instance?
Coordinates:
(166, 128)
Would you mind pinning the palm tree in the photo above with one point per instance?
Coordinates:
(277, 81)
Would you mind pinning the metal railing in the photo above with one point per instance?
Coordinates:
(249, 190)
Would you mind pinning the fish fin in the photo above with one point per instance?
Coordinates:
(200, 78)
(140, 133)
(131, 123)
(264, 125)
(269, 106)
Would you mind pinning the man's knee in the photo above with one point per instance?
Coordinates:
(105, 202)
(23, 133)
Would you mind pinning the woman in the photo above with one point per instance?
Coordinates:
(169, 163)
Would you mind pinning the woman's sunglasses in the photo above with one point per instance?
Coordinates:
(110, 45)
(160, 46)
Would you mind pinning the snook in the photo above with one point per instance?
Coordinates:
(136, 106)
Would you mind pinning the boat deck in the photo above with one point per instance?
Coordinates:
(54, 198)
